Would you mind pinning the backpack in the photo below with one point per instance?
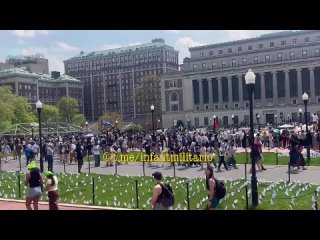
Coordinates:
(220, 190)
(28, 152)
(167, 198)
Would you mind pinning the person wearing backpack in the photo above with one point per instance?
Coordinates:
(162, 197)
(215, 188)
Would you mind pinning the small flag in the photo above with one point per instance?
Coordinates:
(105, 123)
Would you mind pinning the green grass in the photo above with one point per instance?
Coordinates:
(120, 191)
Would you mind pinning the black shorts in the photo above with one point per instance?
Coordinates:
(80, 162)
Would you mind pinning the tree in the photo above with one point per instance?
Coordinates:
(68, 108)
(14, 109)
(79, 120)
(50, 113)
(111, 117)
(148, 92)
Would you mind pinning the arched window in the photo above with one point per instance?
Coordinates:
(174, 96)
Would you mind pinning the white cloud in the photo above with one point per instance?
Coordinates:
(173, 31)
(66, 47)
(134, 43)
(183, 44)
(110, 46)
(243, 34)
(29, 33)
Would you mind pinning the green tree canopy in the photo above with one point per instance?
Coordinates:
(50, 113)
(79, 120)
(68, 108)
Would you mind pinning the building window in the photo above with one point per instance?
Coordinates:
(201, 54)
(250, 48)
(220, 51)
(195, 67)
(292, 55)
(318, 38)
(304, 53)
(214, 65)
(207, 107)
(267, 58)
(244, 61)
(279, 57)
(318, 100)
(294, 41)
(223, 64)
(211, 53)
(236, 105)
(255, 60)
(239, 49)
(234, 63)
(294, 101)
(216, 106)
(197, 108)
(260, 46)
(174, 96)
(226, 106)
(283, 43)
(317, 52)
(174, 107)
(306, 39)
(247, 105)
(230, 50)
(204, 66)
(272, 44)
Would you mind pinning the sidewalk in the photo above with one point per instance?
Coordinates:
(11, 204)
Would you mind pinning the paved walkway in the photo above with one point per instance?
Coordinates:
(273, 173)
(10, 204)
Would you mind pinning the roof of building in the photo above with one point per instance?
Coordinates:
(122, 50)
(262, 37)
(19, 72)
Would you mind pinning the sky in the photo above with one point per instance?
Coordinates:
(59, 45)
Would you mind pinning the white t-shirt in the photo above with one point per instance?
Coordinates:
(96, 150)
(55, 186)
(315, 118)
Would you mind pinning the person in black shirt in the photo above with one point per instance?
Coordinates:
(79, 151)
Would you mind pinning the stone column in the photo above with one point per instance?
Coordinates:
(210, 94)
(263, 88)
(299, 80)
(200, 93)
(220, 92)
(287, 85)
(312, 86)
(275, 88)
(230, 91)
(241, 105)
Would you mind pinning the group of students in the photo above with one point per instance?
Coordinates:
(37, 184)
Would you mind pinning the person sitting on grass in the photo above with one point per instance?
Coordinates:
(34, 182)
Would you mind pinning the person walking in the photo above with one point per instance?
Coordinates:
(96, 153)
(6, 150)
(52, 190)
(222, 152)
(34, 182)
(79, 151)
(159, 192)
(211, 188)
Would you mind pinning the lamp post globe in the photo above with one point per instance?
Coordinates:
(152, 111)
(305, 99)
(250, 79)
(39, 107)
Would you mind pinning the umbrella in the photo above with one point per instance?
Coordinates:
(286, 126)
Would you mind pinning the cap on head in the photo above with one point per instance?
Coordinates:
(157, 175)
(32, 165)
(49, 173)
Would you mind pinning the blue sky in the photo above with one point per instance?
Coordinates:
(58, 45)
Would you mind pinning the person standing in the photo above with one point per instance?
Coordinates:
(49, 156)
(158, 193)
(34, 182)
(222, 152)
(211, 188)
(96, 153)
(52, 190)
(79, 151)
(73, 155)
(19, 148)
(6, 151)
(230, 155)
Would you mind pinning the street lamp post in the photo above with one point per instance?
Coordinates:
(39, 107)
(87, 127)
(305, 99)
(188, 123)
(258, 121)
(281, 117)
(116, 123)
(210, 120)
(300, 115)
(32, 129)
(250, 79)
(152, 111)
(276, 116)
(288, 118)
(214, 123)
(159, 123)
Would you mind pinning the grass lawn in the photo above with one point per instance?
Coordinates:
(120, 191)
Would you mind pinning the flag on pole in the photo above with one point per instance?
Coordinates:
(105, 123)
(216, 124)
